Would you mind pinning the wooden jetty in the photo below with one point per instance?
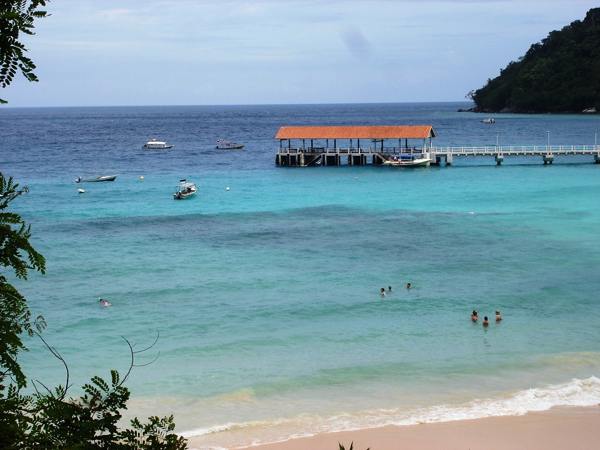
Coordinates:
(306, 146)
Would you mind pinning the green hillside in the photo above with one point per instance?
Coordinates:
(560, 74)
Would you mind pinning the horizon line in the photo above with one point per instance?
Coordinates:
(9, 106)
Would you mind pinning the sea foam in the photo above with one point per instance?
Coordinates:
(577, 392)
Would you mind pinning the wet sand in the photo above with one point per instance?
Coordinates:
(557, 429)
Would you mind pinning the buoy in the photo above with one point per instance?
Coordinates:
(227, 188)
(142, 177)
(81, 191)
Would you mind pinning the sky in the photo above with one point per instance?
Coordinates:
(200, 52)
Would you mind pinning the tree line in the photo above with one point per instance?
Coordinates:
(559, 74)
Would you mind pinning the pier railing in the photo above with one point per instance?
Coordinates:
(310, 156)
(517, 150)
(489, 150)
(350, 150)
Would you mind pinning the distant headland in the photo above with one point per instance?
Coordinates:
(561, 74)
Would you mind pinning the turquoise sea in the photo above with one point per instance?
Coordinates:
(266, 295)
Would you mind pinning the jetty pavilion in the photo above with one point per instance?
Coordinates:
(303, 146)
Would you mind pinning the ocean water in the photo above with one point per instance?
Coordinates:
(265, 296)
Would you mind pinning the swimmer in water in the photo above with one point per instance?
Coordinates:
(498, 317)
(474, 316)
(486, 322)
(382, 291)
(104, 303)
(408, 285)
(389, 289)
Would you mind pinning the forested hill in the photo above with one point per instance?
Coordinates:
(560, 74)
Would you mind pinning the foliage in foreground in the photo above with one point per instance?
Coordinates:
(17, 18)
(342, 447)
(50, 418)
(560, 74)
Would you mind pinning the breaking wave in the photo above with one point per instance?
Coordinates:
(577, 392)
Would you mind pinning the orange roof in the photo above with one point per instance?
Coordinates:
(357, 132)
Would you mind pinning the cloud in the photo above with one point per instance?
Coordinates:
(356, 43)
(114, 13)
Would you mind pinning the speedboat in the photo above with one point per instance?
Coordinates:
(96, 180)
(228, 145)
(153, 144)
(186, 189)
(489, 121)
(418, 160)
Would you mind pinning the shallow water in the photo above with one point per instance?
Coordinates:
(266, 295)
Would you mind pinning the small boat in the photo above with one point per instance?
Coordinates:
(489, 121)
(185, 190)
(408, 161)
(228, 145)
(96, 180)
(153, 144)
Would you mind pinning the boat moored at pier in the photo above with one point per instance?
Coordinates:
(416, 160)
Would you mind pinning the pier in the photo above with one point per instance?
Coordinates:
(307, 146)
(547, 153)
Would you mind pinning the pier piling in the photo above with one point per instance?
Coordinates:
(548, 159)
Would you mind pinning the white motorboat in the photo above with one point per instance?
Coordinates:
(489, 121)
(186, 189)
(96, 179)
(228, 145)
(153, 144)
(418, 160)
